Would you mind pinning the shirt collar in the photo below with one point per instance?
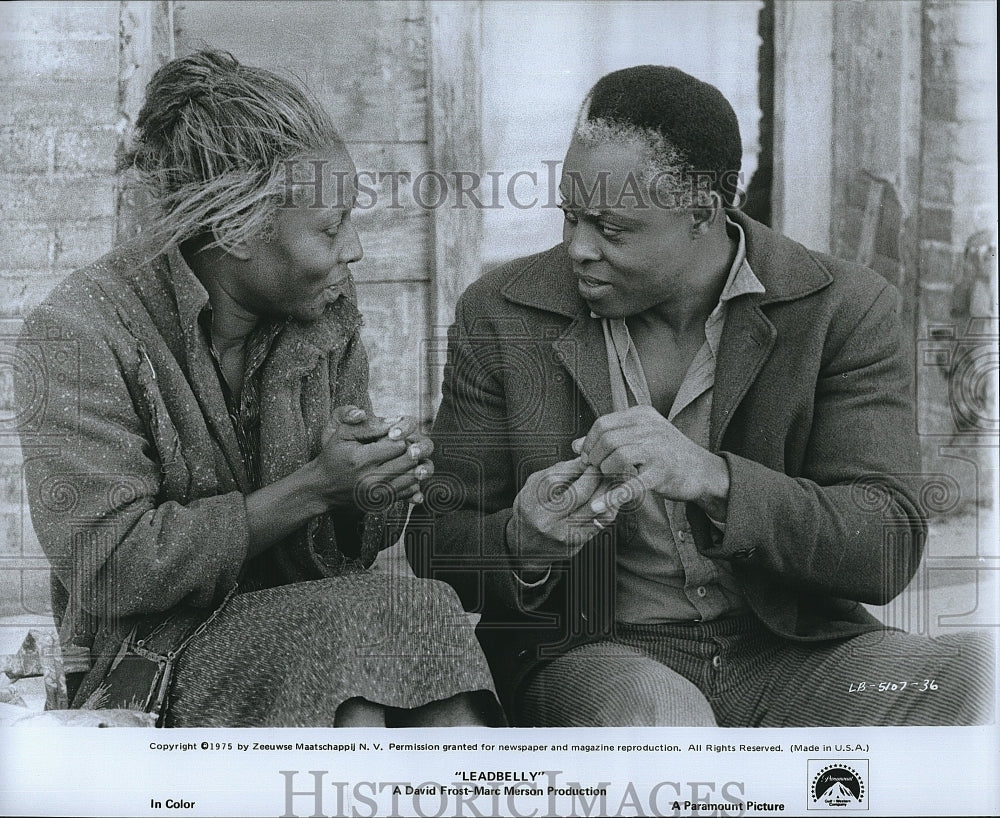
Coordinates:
(741, 280)
(192, 297)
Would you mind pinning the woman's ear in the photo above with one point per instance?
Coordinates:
(246, 249)
(242, 250)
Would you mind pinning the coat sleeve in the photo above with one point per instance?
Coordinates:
(359, 534)
(94, 476)
(469, 497)
(848, 525)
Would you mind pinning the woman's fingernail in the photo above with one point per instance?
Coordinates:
(414, 452)
(395, 419)
(356, 415)
(417, 499)
(395, 433)
(578, 445)
(421, 472)
(598, 506)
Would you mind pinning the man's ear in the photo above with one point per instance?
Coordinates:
(702, 218)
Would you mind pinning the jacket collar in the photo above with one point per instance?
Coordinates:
(547, 282)
(786, 269)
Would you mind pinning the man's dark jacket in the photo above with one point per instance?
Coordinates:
(812, 411)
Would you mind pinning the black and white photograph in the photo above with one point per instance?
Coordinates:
(499, 408)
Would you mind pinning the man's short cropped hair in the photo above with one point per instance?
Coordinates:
(695, 124)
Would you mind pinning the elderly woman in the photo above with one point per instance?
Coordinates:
(204, 469)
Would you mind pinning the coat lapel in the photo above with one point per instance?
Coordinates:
(546, 282)
(156, 319)
(191, 298)
(747, 340)
(788, 272)
(581, 350)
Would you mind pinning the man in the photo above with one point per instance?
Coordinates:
(677, 452)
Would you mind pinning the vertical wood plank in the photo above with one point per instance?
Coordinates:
(366, 62)
(145, 42)
(455, 131)
(803, 121)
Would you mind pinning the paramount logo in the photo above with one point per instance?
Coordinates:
(838, 785)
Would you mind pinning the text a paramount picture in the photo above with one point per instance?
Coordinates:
(566, 408)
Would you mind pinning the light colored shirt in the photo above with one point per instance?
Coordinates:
(661, 575)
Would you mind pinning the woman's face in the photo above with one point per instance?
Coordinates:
(303, 265)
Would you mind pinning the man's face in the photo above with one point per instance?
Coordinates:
(305, 264)
(630, 251)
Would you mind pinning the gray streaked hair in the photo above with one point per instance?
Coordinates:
(660, 162)
(211, 144)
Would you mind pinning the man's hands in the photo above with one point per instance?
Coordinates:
(552, 517)
(641, 442)
(625, 455)
(369, 462)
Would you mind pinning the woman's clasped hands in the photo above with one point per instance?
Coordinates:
(369, 462)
